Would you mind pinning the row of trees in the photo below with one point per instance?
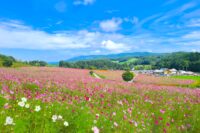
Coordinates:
(37, 63)
(93, 64)
(183, 61)
(178, 60)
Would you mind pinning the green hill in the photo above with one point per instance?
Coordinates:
(15, 63)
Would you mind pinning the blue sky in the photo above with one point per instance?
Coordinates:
(53, 30)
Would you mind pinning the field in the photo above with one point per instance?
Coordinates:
(197, 78)
(59, 100)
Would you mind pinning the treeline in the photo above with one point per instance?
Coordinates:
(93, 64)
(37, 63)
(179, 60)
(9, 61)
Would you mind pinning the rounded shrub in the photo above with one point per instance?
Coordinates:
(128, 76)
(91, 72)
(7, 63)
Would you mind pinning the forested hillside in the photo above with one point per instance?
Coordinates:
(179, 60)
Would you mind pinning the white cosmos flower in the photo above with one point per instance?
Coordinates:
(24, 99)
(66, 123)
(114, 113)
(60, 117)
(27, 105)
(54, 118)
(9, 121)
(115, 124)
(21, 104)
(37, 108)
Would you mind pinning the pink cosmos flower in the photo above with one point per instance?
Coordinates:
(162, 111)
(87, 98)
(97, 116)
(114, 113)
(156, 122)
(7, 106)
(167, 124)
(95, 130)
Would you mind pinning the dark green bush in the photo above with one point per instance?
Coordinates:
(7, 63)
(91, 72)
(127, 76)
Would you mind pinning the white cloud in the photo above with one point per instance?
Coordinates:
(111, 11)
(111, 25)
(194, 23)
(175, 12)
(133, 20)
(16, 35)
(84, 2)
(115, 47)
(195, 35)
(59, 22)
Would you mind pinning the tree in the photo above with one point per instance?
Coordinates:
(43, 63)
(7, 63)
(61, 64)
(127, 76)
(38, 63)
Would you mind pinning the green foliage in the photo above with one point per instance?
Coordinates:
(127, 76)
(178, 60)
(92, 67)
(7, 63)
(143, 67)
(93, 64)
(91, 72)
(37, 63)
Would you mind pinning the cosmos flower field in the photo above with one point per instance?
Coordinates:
(56, 100)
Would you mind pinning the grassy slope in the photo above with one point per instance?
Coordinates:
(196, 78)
(16, 64)
(129, 61)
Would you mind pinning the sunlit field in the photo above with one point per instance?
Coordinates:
(197, 78)
(56, 100)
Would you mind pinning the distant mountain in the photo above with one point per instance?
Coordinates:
(113, 56)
